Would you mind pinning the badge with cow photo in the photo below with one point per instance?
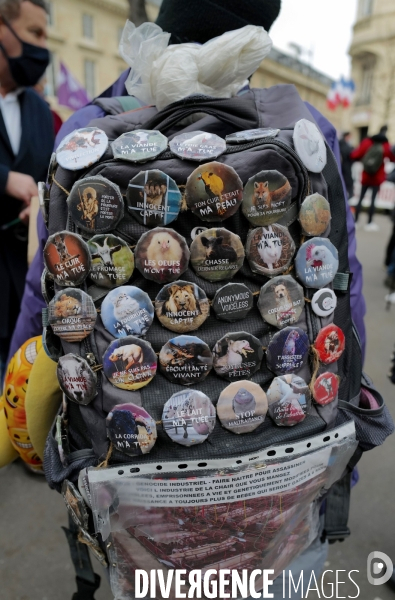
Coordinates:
(315, 215)
(242, 406)
(281, 301)
(127, 310)
(214, 192)
(326, 388)
(217, 254)
(95, 204)
(317, 263)
(129, 363)
(270, 250)
(112, 261)
(287, 350)
(72, 314)
(188, 417)
(153, 198)
(81, 148)
(289, 400)
(233, 302)
(197, 145)
(75, 504)
(76, 379)
(67, 258)
(162, 255)
(310, 145)
(330, 344)
(267, 197)
(182, 306)
(131, 429)
(186, 360)
(237, 355)
(139, 145)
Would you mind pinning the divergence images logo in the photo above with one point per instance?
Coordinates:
(376, 562)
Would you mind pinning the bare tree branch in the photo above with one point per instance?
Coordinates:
(137, 12)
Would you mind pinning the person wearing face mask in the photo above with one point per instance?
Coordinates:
(26, 143)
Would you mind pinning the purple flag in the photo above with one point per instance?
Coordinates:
(70, 92)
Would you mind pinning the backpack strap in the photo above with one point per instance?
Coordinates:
(117, 104)
(87, 580)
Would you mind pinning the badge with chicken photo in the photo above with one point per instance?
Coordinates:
(95, 204)
(127, 310)
(197, 145)
(237, 356)
(289, 400)
(112, 261)
(267, 196)
(270, 250)
(153, 198)
(162, 255)
(217, 254)
(287, 350)
(317, 263)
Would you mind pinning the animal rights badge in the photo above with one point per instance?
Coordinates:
(51, 344)
(95, 204)
(75, 504)
(324, 302)
(197, 145)
(188, 417)
(287, 350)
(310, 145)
(315, 215)
(217, 254)
(233, 302)
(326, 388)
(67, 258)
(317, 262)
(267, 196)
(182, 306)
(47, 286)
(129, 363)
(76, 379)
(239, 137)
(214, 192)
(131, 429)
(127, 310)
(162, 255)
(281, 301)
(237, 355)
(330, 344)
(112, 260)
(153, 198)
(289, 400)
(72, 314)
(185, 359)
(81, 148)
(43, 200)
(139, 145)
(270, 250)
(242, 406)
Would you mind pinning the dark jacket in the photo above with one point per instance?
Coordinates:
(345, 153)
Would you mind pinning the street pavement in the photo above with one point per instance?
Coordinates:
(34, 558)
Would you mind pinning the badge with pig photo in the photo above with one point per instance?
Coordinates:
(217, 254)
(112, 261)
(317, 263)
(270, 250)
(267, 196)
(131, 429)
(214, 192)
(289, 400)
(67, 258)
(129, 363)
(197, 145)
(315, 215)
(76, 379)
(127, 310)
(182, 306)
(185, 359)
(237, 355)
(139, 145)
(281, 301)
(162, 255)
(242, 406)
(95, 204)
(81, 148)
(188, 417)
(287, 350)
(72, 314)
(153, 198)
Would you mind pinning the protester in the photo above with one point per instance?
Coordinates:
(345, 153)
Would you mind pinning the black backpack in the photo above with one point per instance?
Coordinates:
(373, 159)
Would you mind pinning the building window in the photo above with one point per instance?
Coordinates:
(87, 27)
(366, 85)
(90, 77)
(365, 8)
(51, 76)
(51, 14)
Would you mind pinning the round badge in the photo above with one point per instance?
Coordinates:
(72, 314)
(75, 504)
(289, 400)
(267, 196)
(81, 148)
(270, 250)
(127, 310)
(281, 301)
(233, 302)
(139, 145)
(197, 230)
(162, 255)
(197, 145)
(95, 204)
(186, 359)
(43, 200)
(217, 254)
(251, 134)
(131, 429)
(129, 363)
(51, 344)
(112, 261)
(67, 258)
(76, 379)
(324, 302)
(288, 350)
(317, 262)
(188, 417)
(315, 215)
(330, 344)
(47, 286)
(53, 165)
(182, 306)
(242, 406)
(326, 387)
(214, 192)
(237, 355)
(153, 198)
(310, 145)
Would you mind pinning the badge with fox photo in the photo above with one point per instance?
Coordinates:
(267, 196)
(75, 504)
(188, 417)
(127, 310)
(139, 145)
(287, 350)
(131, 429)
(186, 360)
(310, 145)
(326, 388)
(289, 400)
(95, 204)
(112, 260)
(237, 355)
(153, 198)
(129, 363)
(281, 301)
(214, 192)
(182, 306)
(315, 215)
(76, 379)
(197, 145)
(330, 344)
(81, 148)
(72, 314)
(317, 263)
(233, 302)
(240, 137)
(162, 255)
(67, 258)
(242, 407)
(270, 250)
(217, 254)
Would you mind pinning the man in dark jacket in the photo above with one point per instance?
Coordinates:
(345, 154)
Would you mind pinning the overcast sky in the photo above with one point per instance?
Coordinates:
(321, 27)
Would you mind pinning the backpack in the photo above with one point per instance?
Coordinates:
(346, 427)
(373, 159)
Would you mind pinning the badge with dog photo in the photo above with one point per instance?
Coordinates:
(127, 310)
(316, 263)
(95, 204)
(131, 429)
(139, 145)
(242, 406)
(326, 387)
(153, 198)
(289, 400)
(237, 355)
(270, 250)
(281, 301)
(217, 254)
(67, 258)
(267, 196)
(287, 350)
(129, 363)
(75, 504)
(81, 148)
(112, 261)
(330, 344)
(162, 255)
(185, 359)
(188, 417)
(72, 314)
(76, 379)
(182, 306)
(197, 145)
(315, 215)
(214, 192)
(233, 302)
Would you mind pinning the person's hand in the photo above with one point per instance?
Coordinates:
(21, 186)
(24, 215)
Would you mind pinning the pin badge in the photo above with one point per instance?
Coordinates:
(129, 363)
(310, 145)
(251, 134)
(47, 286)
(326, 388)
(315, 215)
(267, 196)
(281, 301)
(127, 310)
(139, 145)
(67, 258)
(72, 314)
(237, 355)
(75, 504)
(288, 350)
(43, 201)
(330, 344)
(188, 417)
(81, 148)
(131, 429)
(51, 344)
(95, 204)
(112, 261)
(217, 254)
(242, 406)
(233, 302)
(289, 400)
(186, 359)
(197, 145)
(197, 230)
(153, 198)
(324, 302)
(76, 379)
(53, 165)
(182, 306)
(162, 255)
(317, 262)
(270, 250)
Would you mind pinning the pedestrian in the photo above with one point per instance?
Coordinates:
(345, 154)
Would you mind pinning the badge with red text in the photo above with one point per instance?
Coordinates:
(326, 387)
(188, 417)
(237, 355)
(131, 429)
(242, 406)
(72, 314)
(197, 145)
(289, 400)
(162, 255)
(185, 359)
(330, 344)
(182, 306)
(287, 350)
(67, 258)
